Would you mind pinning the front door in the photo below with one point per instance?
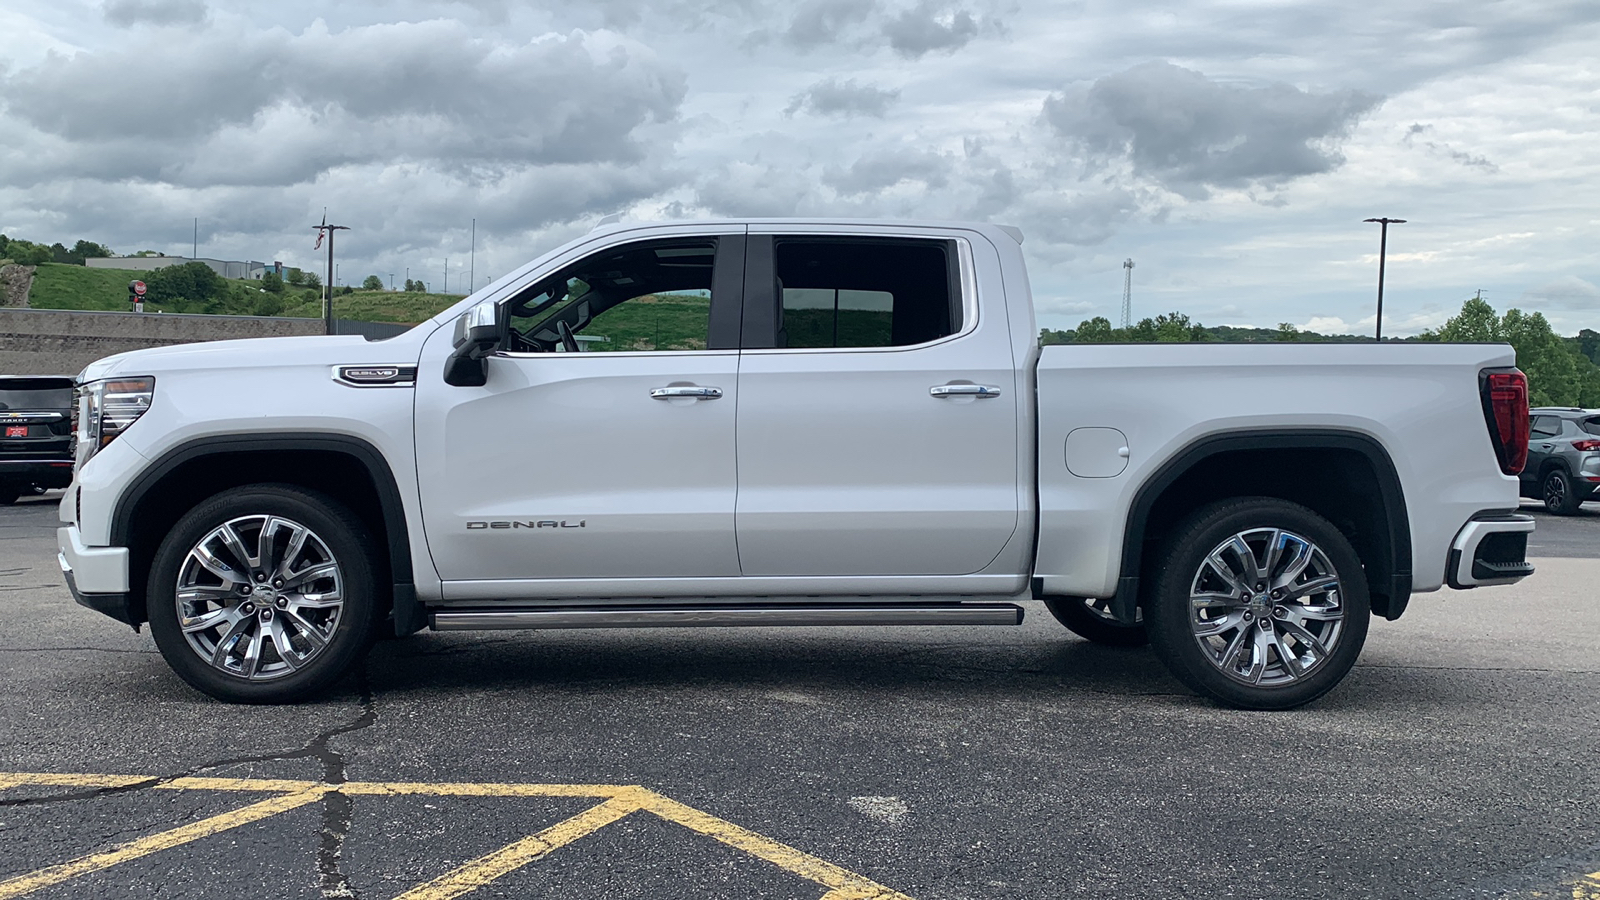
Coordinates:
(602, 444)
(877, 423)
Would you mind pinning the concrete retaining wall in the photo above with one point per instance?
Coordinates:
(62, 342)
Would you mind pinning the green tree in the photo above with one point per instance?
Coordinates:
(272, 283)
(269, 303)
(1558, 372)
(191, 287)
(1096, 331)
(59, 253)
(1287, 332)
(295, 277)
(83, 250)
(372, 283)
(313, 280)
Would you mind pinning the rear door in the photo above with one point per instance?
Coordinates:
(1542, 434)
(877, 427)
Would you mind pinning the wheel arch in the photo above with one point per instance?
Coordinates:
(350, 469)
(1356, 487)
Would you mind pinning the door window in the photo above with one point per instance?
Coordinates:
(1545, 426)
(653, 296)
(865, 292)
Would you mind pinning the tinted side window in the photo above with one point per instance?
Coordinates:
(1545, 426)
(1591, 425)
(651, 296)
(865, 292)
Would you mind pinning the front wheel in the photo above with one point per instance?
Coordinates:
(1261, 604)
(263, 594)
(1559, 497)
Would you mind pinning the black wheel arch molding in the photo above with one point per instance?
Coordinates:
(1389, 573)
(409, 613)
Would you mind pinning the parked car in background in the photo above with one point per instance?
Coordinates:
(1563, 457)
(35, 435)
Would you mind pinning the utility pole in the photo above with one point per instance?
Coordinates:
(472, 265)
(391, 281)
(446, 276)
(1383, 253)
(1127, 292)
(325, 231)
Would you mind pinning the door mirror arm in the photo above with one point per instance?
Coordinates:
(479, 332)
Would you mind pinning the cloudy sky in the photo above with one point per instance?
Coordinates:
(1230, 148)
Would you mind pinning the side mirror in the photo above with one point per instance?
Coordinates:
(478, 333)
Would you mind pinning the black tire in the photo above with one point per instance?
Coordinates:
(350, 635)
(9, 493)
(1558, 493)
(1173, 623)
(1089, 619)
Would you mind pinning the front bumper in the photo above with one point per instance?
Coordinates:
(1490, 549)
(97, 576)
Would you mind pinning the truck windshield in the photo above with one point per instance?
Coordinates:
(35, 393)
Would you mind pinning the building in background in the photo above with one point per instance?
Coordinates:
(227, 268)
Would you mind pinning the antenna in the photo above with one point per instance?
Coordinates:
(1127, 292)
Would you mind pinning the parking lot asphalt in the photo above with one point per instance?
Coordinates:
(1460, 759)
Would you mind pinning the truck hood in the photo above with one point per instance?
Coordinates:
(254, 353)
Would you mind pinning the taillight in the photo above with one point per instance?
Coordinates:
(1505, 407)
(1586, 446)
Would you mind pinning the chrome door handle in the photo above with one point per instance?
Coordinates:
(693, 391)
(964, 390)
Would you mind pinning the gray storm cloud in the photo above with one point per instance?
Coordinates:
(1190, 133)
(278, 108)
(832, 97)
(154, 12)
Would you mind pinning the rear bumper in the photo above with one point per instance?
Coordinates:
(97, 576)
(46, 473)
(1490, 549)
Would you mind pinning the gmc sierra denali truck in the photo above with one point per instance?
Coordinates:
(795, 422)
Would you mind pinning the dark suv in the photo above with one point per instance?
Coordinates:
(1563, 466)
(35, 435)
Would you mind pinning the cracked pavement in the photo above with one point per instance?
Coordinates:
(1460, 759)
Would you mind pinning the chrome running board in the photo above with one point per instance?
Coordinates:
(726, 616)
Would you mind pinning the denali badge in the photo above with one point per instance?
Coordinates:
(546, 523)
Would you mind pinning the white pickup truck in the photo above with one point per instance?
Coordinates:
(785, 422)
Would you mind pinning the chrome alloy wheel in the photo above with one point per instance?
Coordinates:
(1265, 607)
(259, 597)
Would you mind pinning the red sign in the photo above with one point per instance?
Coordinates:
(138, 288)
(16, 431)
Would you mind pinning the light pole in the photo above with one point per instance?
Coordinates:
(1383, 253)
(325, 231)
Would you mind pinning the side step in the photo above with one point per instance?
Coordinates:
(724, 616)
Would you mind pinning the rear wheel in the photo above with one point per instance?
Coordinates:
(1557, 492)
(263, 594)
(9, 492)
(1261, 604)
(1091, 619)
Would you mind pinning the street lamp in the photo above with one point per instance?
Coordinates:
(1383, 252)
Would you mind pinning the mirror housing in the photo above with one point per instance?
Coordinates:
(479, 332)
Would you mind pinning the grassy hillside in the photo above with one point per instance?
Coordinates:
(59, 286)
(378, 306)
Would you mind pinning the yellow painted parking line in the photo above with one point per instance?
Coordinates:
(517, 854)
(619, 801)
(1587, 888)
(843, 883)
(155, 843)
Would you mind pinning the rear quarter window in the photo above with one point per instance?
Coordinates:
(1590, 425)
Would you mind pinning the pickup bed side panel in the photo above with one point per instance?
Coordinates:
(1418, 402)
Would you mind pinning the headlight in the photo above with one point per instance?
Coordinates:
(107, 407)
